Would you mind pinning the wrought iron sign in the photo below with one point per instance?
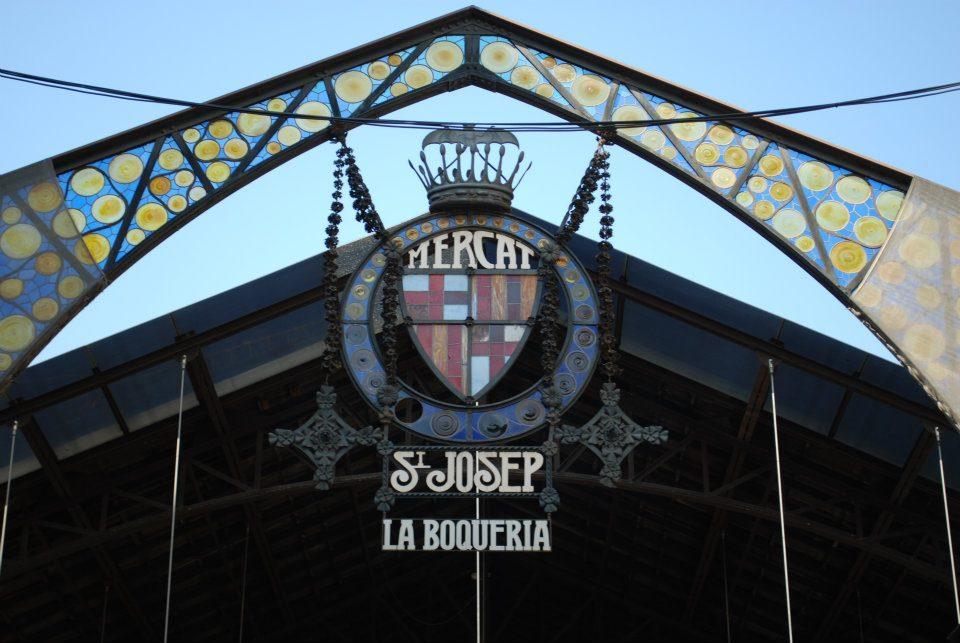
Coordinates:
(471, 281)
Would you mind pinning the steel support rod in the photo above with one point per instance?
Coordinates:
(243, 584)
(478, 590)
(173, 506)
(946, 517)
(783, 524)
(6, 498)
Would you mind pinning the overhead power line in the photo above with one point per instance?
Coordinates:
(122, 94)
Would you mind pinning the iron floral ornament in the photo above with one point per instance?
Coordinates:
(611, 435)
(324, 438)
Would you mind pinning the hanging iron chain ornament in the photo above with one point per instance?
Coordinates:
(610, 434)
(326, 437)
(388, 394)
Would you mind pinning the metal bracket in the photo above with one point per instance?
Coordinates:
(324, 438)
(611, 435)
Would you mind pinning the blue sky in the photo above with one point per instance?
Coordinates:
(751, 54)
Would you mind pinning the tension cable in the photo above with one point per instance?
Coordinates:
(6, 499)
(173, 506)
(946, 518)
(120, 94)
(783, 528)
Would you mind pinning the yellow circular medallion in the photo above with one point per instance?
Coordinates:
(789, 223)
(723, 178)
(853, 189)
(236, 148)
(177, 203)
(888, 204)
(815, 176)
(924, 342)
(781, 191)
(870, 231)
(45, 309)
(525, 76)
(564, 73)
(135, 236)
(689, 131)
(666, 110)
(313, 108)
(108, 209)
(47, 263)
(832, 216)
(771, 165)
(444, 56)
(848, 257)
(183, 178)
(706, 154)
(289, 135)
(151, 216)
(218, 172)
(629, 113)
(191, 135)
(721, 134)
(11, 288)
(764, 210)
(757, 184)
(418, 76)
(125, 168)
(220, 129)
(353, 86)
(92, 248)
(69, 223)
(928, 296)
(16, 333)
(868, 296)
(253, 124)
(44, 197)
(159, 185)
(653, 139)
(20, 241)
(892, 272)
(206, 150)
(805, 243)
(735, 156)
(70, 287)
(378, 70)
(87, 182)
(11, 215)
(590, 90)
(920, 251)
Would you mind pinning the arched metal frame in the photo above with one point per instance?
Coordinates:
(826, 208)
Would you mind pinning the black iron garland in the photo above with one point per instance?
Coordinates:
(331, 292)
(549, 318)
(326, 437)
(387, 395)
(610, 434)
(608, 339)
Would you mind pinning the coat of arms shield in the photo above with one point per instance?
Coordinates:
(469, 320)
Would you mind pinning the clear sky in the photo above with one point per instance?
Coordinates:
(751, 54)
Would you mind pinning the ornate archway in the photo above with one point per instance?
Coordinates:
(73, 223)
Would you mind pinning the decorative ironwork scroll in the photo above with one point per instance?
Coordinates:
(324, 438)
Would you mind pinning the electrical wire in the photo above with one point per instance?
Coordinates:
(121, 94)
